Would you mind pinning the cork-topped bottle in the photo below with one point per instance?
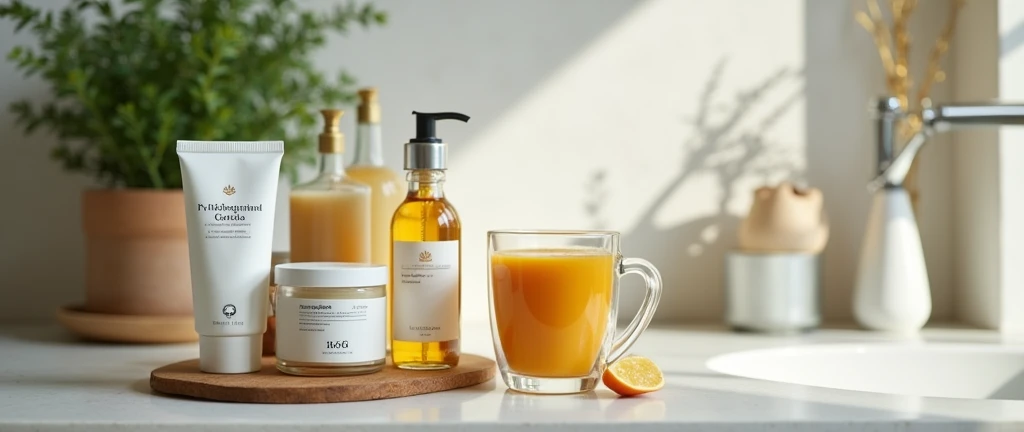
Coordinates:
(387, 186)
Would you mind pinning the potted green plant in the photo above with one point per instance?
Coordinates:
(131, 78)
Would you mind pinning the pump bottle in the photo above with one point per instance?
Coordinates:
(330, 216)
(426, 257)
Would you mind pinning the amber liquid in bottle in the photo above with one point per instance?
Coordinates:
(387, 187)
(424, 216)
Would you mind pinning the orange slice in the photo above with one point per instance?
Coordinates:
(633, 375)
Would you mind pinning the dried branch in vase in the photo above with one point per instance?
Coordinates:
(894, 50)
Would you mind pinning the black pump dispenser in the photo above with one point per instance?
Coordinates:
(425, 125)
(427, 151)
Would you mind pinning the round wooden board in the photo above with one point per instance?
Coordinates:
(273, 387)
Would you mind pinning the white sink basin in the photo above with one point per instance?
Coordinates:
(966, 371)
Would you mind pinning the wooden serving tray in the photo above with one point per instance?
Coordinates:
(271, 386)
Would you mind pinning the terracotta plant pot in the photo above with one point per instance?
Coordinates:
(136, 252)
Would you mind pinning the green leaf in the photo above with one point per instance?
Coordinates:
(15, 53)
(139, 76)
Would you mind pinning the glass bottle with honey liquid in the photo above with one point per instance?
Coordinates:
(426, 256)
(387, 187)
(330, 216)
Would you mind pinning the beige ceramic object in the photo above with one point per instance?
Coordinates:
(785, 219)
(136, 252)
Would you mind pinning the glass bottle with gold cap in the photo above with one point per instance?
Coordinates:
(330, 216)
(387, 186)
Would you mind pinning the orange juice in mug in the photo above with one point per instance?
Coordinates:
(553, 307)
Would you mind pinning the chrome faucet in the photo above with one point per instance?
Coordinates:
(892, 290)
(892, 171)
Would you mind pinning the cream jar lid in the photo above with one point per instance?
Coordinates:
(330, 275)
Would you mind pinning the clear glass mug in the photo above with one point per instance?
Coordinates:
(554, 298)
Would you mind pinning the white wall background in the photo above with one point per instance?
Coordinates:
(1011, 158)
(652, 117)
(976, 154)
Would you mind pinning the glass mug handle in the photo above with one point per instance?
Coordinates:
(643, 317)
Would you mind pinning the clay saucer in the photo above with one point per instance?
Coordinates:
(138, 329)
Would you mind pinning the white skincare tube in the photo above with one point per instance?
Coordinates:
(230, 193)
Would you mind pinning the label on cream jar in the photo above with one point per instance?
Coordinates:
(426, 291)
(330, 331)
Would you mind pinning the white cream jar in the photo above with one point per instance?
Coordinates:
(330, 318)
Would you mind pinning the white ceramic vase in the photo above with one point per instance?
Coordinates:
(892, 291)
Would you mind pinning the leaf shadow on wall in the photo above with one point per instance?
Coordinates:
(729, 144)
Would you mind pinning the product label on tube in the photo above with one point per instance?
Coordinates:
(225, 221)
(330, 331)
(426, 291)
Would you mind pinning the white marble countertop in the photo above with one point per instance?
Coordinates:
(49, 381)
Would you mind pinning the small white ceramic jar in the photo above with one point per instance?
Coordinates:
(330, 318)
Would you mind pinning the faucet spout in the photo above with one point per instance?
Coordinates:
(893, 168)
(943, 117)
